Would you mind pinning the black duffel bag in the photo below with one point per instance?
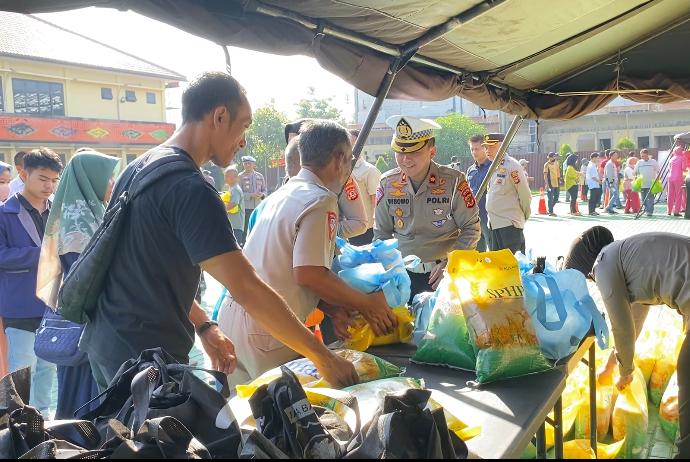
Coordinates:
(154, 386)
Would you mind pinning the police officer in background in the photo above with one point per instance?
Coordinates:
(508, 200)
(429, 208)
(253, 186)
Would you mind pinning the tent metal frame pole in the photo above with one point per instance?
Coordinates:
(324, 28)
(407, 53)
(510, 134)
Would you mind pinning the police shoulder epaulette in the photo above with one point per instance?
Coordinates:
(450, 172)
(391, 173)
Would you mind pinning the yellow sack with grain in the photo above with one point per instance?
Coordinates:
(668, 410)
(606, 398)
(368, 367)
(647, 350)
(631, 417)
(490, 290)
(362, 337)
(582, 449)
(665, 365)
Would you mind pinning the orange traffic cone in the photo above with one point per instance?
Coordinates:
(542, 203)
(607, 198)
(317, 332)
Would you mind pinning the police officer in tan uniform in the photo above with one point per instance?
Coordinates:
(508, 199)
(428, 207)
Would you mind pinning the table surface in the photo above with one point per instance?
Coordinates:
(509, 412)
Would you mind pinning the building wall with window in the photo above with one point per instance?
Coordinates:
(82, 92)
(647, 125)
(65, 107)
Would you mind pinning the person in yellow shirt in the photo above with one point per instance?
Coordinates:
(572, 180)
(552, 181)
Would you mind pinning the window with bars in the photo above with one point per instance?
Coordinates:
(38, 98)
(533, 137)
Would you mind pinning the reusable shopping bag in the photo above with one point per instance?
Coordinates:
(447, 341)
(492, 298)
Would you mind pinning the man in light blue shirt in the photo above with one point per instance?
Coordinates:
(593, 181)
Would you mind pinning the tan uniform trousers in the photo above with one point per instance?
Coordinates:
(257, 351)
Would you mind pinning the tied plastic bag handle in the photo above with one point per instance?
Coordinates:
(556, 297)
(588, 307)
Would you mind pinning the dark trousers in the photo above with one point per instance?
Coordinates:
(573, 198)
(509, 237)
(594, 198)
(684, 400)
(76, 387)
(104, 372)
(364, 239)
(648, 199)
(247, 216)
(484, 244)
(420, 283)
(239, 236)
(553, 197)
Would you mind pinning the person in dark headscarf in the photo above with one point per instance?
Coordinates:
(632, 274)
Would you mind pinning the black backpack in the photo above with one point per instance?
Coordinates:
(83, 285)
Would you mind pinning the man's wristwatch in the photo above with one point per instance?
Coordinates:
(204, 327)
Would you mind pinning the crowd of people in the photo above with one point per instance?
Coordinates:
(601, 178)
(273, 253)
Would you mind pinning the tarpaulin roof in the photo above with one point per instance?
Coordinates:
(547, 59)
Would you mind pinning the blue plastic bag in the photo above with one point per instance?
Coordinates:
(376, 267)
(422, 307)
(562, 311)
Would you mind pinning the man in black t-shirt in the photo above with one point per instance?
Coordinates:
(176, 228)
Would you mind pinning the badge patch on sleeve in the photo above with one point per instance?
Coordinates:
(351, 190)
(467, 195)
(332, 225)
(515, 176)
(379, 194)
(439, 223)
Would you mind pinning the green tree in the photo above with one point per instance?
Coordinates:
(382, 165)
(625, 144)
(564, 152)
(265, 137)
(318, 108)
(452, 139)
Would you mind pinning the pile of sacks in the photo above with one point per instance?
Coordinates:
(623, 417)
(493, 315)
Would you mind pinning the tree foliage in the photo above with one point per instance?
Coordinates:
(452, 139)
(266, 136)
(318, 108)
(564, 152)
(625, 143)
(382, 165)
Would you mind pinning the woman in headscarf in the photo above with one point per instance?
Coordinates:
(632, 274)
(5, 178)
(75, 215)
